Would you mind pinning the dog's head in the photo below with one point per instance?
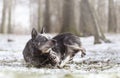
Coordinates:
(41, 42)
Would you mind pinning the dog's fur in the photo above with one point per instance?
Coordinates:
(41, 51)
(67, 46)
(36, 51)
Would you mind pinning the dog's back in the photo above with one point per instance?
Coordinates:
(66, 39)
(67, 45)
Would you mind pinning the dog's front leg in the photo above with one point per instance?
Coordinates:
(65, 61)
(54, 58)
(83, 52)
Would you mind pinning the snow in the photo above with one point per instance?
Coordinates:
(101, 59)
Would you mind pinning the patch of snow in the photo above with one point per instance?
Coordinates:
(100, 58)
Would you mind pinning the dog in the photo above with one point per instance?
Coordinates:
(36, 52)
(57, 51)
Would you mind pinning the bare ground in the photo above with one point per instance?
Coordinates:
(101, 61)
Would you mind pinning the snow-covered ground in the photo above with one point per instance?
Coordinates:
(101, 61)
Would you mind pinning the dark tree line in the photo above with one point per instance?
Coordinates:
(89, 23)
(65, 19)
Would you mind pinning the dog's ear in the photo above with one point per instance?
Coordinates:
(42, 30)
(34, 33)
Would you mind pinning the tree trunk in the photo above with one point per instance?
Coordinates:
(68, 23)
(10, 17)
(88, 22)
(101, 10)
(39, 27)
(3, 26)
(46, 21)
(84, 14)
(112, 20)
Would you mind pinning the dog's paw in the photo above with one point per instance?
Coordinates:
(83, 54)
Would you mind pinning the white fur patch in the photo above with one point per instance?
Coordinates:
(65, 61)
(48, 36)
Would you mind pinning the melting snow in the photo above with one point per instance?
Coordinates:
(100, 58)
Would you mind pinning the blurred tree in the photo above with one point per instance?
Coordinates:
(46, 21)
(6, 26)
(56, 15)
(35, 14)
(3, 22)
(112, 20)
(102, 10)
(10, 16)
(30, 10)
(39, 27)
(68, 22)
(89, 22)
